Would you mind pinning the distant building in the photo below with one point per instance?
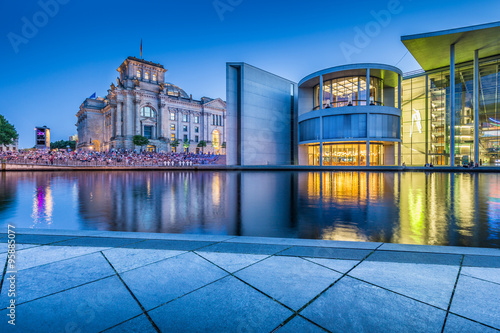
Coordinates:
(142, 103)
(73, 138)
(11, 147)
(42, 137)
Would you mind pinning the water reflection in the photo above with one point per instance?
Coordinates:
(415, 208)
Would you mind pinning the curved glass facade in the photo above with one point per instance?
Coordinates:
(347, 91)
(384, 126)
(344, 126)
(309, 130)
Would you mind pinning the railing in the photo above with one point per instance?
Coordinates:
(77, 163)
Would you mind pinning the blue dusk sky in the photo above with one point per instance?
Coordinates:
(54, 56)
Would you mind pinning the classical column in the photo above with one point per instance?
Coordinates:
(161, 109)
(476, 106)
(138, 116)
(113, 122)
(452, 105)
(119, 118)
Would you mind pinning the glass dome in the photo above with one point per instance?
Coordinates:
(173, 90)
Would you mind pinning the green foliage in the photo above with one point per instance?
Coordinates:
(61, 144)
(202, 144)
(185, 144)
(223, 145)
(8, 132)
(174, 143)
(139, 140)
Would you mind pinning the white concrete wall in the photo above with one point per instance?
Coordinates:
(265, 119)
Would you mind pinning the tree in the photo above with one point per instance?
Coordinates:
(61, 144)
(202, 144)
(174, 143)
(140, 140)
(185, 144)
(223, 145)
(8, 132)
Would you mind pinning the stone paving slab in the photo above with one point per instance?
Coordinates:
(477, 300)
(441, 249)
(160, 244)
(39, 239)
(354, 306)
(267, 249)
(325, 252)
(90, 308)
(416, 258)
(102, 281)
(482, 261)
(227, 305)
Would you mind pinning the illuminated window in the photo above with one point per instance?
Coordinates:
(172, 116)
(146, 76)
(154, 77)
(172, 136)
(138, 74)
(148, 112)
(215, 139)
(196, 119)
(172, 127)
(185, 118)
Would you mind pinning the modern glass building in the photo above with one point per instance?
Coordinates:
(450, 110)
(350, 116)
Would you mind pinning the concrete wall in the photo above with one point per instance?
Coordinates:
(260, 112)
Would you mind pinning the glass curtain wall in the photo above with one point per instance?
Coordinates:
(426, 116)
(349, 91)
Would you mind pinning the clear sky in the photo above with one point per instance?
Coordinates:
(76, 48)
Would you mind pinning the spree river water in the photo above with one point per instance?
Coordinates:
(411, 208)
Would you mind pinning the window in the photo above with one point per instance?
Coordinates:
(172, 127)
(213, 119)
(148, 132)
(148, 112)
(196, 119)
(172, 116)
(185, 117)
(138, 73)
(154, 77)
(185, 137)
(185, 128)
(215, 139)
(196, 138)
(196, 129)
(146, 76)
(172, 136)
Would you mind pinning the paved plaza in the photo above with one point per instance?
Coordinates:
(95, 281)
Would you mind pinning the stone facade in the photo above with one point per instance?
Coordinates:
(11, 147)
(143, 104)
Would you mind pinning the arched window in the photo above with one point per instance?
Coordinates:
(154, 77)
(215, 139)
(146, 76)
(138, 74)
(148, 112)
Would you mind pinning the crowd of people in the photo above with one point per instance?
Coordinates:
(110, 158)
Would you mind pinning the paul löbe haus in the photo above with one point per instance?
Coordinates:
(447, 113)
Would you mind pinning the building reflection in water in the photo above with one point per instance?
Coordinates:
(415, 208)
(43, 205)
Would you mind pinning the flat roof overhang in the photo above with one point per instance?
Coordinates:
(389, 74)
(432, 50)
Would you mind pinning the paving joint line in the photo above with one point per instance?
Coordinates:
(473, 277)
(132, 294)
(4, 271)
(475, 321)
(453, 293)
(294, 313)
